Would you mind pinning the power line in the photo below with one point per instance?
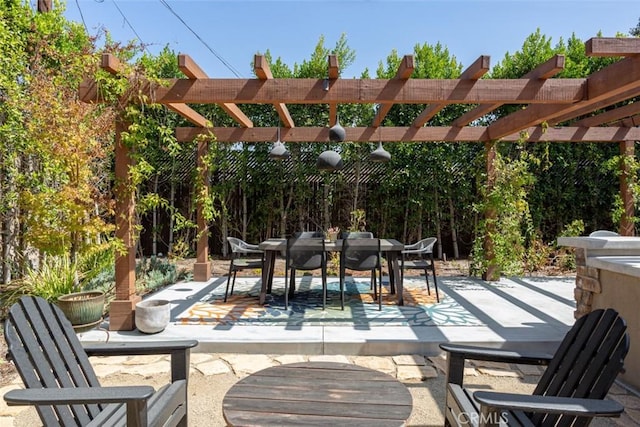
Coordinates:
(144, 46)
(216, 54)
(82, 17)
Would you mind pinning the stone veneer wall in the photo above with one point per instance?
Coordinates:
(587, 284)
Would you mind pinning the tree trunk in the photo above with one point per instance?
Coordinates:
(438, 227)
(454, 234)
(172, 203)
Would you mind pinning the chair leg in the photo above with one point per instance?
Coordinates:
(342, 288)
(380, 292)
(324, 288)
(226, 291)
(292, 284)
(374, 285)
(435, 281)
(426, 279)
(286, 293)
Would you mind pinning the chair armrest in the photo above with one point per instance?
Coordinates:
(179, 351)
(78, 395)
(550, 404)
(255, 248)
(457, 354)
(469, 352)
(412, 246)
(138, 348)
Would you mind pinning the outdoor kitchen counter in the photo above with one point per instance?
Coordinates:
(608, 275)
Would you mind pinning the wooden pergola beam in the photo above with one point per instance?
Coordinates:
(611, 115)
(410, 134)
(612, 46)
(193, 71)
(546, 70)
(474, 72)
(111, 64)
(334, 73)
(365, 91)
(588, 109)
(405, 69)
(618, 78)
(263, 72)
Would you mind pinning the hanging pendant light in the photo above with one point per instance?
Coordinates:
(337, 133)
(279, 151)
(380, 154)
(329, 160)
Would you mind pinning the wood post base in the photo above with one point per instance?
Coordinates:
(122, 314)
(202, 271)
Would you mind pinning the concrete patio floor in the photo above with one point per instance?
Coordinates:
(519, 312)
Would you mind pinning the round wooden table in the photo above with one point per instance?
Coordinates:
(317, 393)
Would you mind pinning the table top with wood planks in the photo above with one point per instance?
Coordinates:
(318, 393)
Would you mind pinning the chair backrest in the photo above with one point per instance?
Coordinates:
(48, 354)
(426, 245)
(360, 254)
(308, 234)
(603, 233)
(306, 253)
(586, 363)
(356, 235)
(239, 246)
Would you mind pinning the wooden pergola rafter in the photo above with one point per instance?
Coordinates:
(549, 105)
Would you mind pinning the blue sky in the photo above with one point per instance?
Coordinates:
(235, 30)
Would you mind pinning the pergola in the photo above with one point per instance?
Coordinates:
(550, 103)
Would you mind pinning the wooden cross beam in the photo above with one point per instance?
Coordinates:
(262, 70)
(193, 71)
(543, 71)
(602, 86)
(476, 70)
(405, 69)
(410, 134)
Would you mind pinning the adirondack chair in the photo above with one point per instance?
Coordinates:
(61, 383)
(570, 392)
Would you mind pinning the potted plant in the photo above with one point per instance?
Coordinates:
(66, 283)
(332, 233)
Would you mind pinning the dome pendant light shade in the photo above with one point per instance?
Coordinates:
(380, 154)
(329, 161)
(337, 132)
(279, 151)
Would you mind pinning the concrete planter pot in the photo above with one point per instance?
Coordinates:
(152, 316)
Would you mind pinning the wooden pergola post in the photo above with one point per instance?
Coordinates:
(627, 150)
(202, 267)
(122, 309)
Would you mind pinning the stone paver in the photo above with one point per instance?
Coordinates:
(416, 373)
(213, 367)
(329, 358)
(248, 363)
(378, 363)
(409, 359)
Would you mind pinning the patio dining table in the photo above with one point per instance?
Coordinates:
(272, 247)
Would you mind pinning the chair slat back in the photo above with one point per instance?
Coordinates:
(305, 253)
(356, 235)
(48, 354)
(586, 363)
(361, 254)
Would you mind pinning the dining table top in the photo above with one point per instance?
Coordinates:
(318, 393)
(386, 245)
